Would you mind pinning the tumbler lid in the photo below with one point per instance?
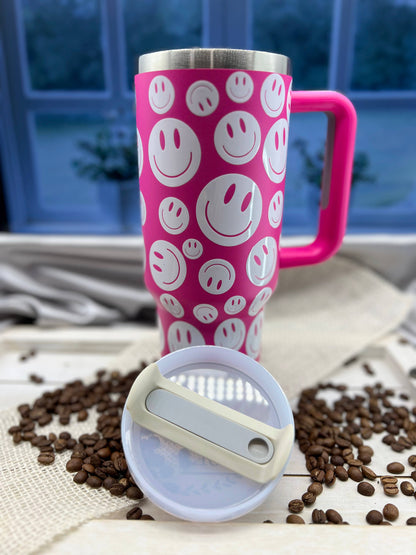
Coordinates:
(215, 58)
(207, 433)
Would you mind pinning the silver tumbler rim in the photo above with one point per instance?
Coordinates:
(195, 58)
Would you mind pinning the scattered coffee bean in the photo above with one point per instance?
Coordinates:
(368, 473)
(81, 477)
(374, 517)
(407, 488)
(355, 474)
(294, 519)
(391, 490)
(117, 489)
(390, 512)
(333, 516)
(74, 465)
(146, 517)
(412, 460)
(315, 488)
(341, 473)
(134, 492)
(46, 458)
(268, 522)
(395, 468)
(413, 475)
(94, 482)
(366, 489)
(318, 516)
(411, 521)
(296, 506)
(134, 514)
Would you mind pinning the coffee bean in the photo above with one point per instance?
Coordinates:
(308, 498)
(88, 468)
(388, 480)
(268, 522)
(412, 460)
(80, 477)
(390, 512)
(366, 489)
(46, 458)
(406, 488)
(74, 464)
(374, 517)
(146, 517)
(355, 462)
(318, 516)
(317, 475)
(109, 482)
(333, 516)
(341, 473)
(82, 415)
(395, 468)
(134, 514)
(413, 475)
(355, 474)
(397, 447)
(368, 473)
(94, 482)
(294, 519)
(117, 489)
(391, 490)
(315, 488)
(411, 521)
(104, 453)
(295, 506)
(134, 492)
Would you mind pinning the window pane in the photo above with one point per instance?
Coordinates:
(389, 180)
(300, 29)
(385, 45)
(63, 39)
(87, 164)
(153, 25)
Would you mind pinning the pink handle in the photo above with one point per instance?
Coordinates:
(333, 216)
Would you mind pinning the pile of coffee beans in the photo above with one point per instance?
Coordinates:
(96, 458)
(332, 438)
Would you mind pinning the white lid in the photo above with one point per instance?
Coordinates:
(188, 485)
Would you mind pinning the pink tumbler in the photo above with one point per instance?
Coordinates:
(212, 131)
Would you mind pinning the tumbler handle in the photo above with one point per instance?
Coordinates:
(339, 158)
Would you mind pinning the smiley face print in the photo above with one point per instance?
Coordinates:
(237, 137)
(234, 304)
(167, 265)
(192, 248)
(182, 335)
(205, 313)
(202, 98)
(239, 86)
(253, 340)
(229, 209)
(261, 261)
(275, 151)
(216, 276)
(230, 333)
(276, 209)
(172, 305)
(272, 95)
(174, 152)
(173, 215)
(161, 94)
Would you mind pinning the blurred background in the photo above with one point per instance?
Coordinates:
(67, 132)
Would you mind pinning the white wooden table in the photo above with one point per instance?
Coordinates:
(65, 354)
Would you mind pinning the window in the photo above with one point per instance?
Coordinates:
(66, 86)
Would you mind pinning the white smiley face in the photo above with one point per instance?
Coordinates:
(230, 333)
(237, 137)
(239, 86)
(167, 265)
(272, 95)
(259, 301)
(173, 215)
(261, 261)
(161, 94)
(182, 335)
(229, 209)
(174, 152)
(205, 313)
(202, 98)
(275, 151)
(172, 305)
(216, 276)
(234, 304)
(276, 209)
(142, 208)
(139, 152)
(192, 248)
(253, 341)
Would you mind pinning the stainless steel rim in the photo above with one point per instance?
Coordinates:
(191, 58)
